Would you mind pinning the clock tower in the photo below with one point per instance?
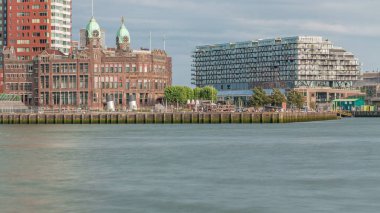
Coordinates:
(93, 34)
(123, 38)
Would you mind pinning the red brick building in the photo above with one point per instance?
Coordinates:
(1, 80)
(32, 26)
(88, 77)
(18, 76)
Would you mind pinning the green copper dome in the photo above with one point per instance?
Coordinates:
(123, 32)
(93, 28)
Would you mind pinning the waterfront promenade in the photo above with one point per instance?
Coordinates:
(164, 118)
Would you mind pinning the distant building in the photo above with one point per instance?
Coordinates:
(355, 104)
(89, 77)
(74, 46)
(3, 24)
(370, 85)
(371, 77)
(32, 26)
(323, 96)
(3, 37)
(286, 63)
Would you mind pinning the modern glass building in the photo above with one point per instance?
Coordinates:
(286, 63)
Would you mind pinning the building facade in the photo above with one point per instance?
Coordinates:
(321, 98)
(3, 38)
(371, 87)
(61, 25)
(18, 76)
(33, 26)
(3, 24)
(294, 62)
(91, 76)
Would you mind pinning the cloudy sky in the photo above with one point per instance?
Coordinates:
(352, 24)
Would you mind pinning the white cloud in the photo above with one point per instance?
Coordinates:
(313, 26)
(187, 23)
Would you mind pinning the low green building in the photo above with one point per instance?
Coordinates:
(348, 104)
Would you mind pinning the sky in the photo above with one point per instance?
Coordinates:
(351, 24)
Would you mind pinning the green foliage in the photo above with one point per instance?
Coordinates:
(197, 93)
(208, 93)
(259, 98)
(295, 99)
(181, 94)
(176, 94)
(189, 93)
(277, 97)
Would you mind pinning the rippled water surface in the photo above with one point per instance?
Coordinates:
(306, 167)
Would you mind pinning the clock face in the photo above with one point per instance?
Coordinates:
(95, 33)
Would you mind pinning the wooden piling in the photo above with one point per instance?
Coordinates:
(170, 118)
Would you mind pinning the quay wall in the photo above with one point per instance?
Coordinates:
(366, 114)
(164, 118)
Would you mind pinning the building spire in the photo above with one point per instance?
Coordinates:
(122, 20)
(164, 42)
(150, 41)
(92, 8)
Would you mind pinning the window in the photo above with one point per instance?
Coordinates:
(83, 67)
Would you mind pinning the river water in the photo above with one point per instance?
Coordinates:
(329, 166)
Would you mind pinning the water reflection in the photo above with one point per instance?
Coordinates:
(33, 168)
(191, 168)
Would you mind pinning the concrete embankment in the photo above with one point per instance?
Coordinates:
(164, 118)
(366, 114)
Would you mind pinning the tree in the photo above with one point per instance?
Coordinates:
(175, 94)
(296, 99)
(189, 93)
(259, 97)
(197, 93)
(180, 94)
(277, 98)
(209, 93)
